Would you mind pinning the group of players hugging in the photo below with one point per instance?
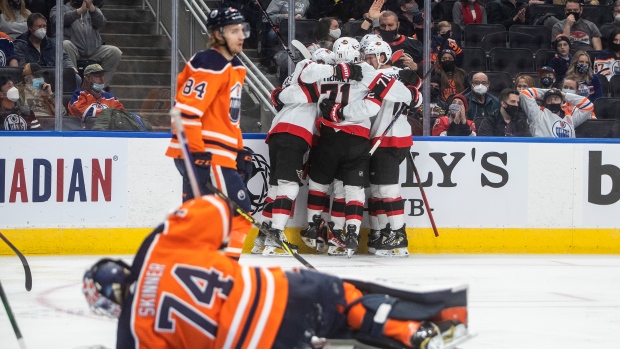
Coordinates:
(183, 291)
(357, 93)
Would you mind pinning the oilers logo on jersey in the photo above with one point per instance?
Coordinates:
(562, 129)
(14, 122)
(235, 103)
(94, 109)
(3, 62)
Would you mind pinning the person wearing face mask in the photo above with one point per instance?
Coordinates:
(607, 28)
(443, 40)
(448, 78)
(35, 93)
(13, 14)
(584, 35)
(511, 121)
(455, 122)
(481, 102)
(407, 10)
(82, 22)
(13, 115)
(466, 12)
(546, 76)
(588, 83)
(607, 63)
(561, 114)
(90, 100)
(34, 46)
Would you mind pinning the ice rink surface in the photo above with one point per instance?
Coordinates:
(515, 301)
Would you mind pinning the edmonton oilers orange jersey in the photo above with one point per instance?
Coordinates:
(188, 295)
(209, 97)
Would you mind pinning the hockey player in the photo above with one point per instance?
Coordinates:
(209, 98)
(289, 140)
(344, 130)
(386, 207)
(180, 292)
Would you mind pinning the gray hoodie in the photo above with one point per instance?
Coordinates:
(82, 30)
(278, 8)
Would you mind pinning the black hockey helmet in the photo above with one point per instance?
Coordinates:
(224, 16)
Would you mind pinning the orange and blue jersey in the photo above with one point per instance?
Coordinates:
(209, 97)
(84, 104)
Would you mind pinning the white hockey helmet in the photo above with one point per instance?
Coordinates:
(324, 55)
(369, 38)
(377, 48)
(347, 50)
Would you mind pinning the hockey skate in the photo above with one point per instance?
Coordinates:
(374, 238)
(273, 243)
(335, 241)
(453, 332)
(428, 336)
(312, 232)
(259, 241)
(323, 237)
(393, 243)
(351, 240)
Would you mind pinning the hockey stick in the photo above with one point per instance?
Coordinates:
(302, 49)
(277, 31)
(189, 163)
(426, 205)
(388, 128)
(24, 262)
(9, 312)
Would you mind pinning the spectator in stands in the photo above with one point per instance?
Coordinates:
(448, 78)
(467, 12)
(13, 115)
(34, 46)
(418, 26)
(8, 57)
(588, 83)
(481, 103)
(585, 2)
(13, 14)
(607, 62)
(510, 121)
(546, 77)
(506, 12)
(569, 85)
(327, 31)
(455, 123)
(35, 93)
(553, 120)
(523, 82)
(89, 100)
(607, 28)
(443, 40)
(560, 62)
(277, 11)
(407, 14)
(412, 49)
(583, 34)
(83, 20)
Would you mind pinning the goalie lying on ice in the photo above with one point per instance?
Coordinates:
(180, 292)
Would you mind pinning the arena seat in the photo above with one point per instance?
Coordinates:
(534, 11)
(498, 80)
(511, 60)
(493, 40)
(474, 33)
(474, 59)
(597, 14)
(542, 57)
(304, 29)
(599, 129)
(607, 108)
(533, 37)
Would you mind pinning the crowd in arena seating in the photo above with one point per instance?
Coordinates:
(494, 57)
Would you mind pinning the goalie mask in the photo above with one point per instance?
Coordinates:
(347, 50)
(104, 286)
(377, 48)
(324, 56)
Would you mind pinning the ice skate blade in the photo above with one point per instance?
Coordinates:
(372, 250)
(336, 251)
(321, 247)
(274, 251)
(396, 252)
(309, 242)
(458, 341)
(350, 252)
(257, 250)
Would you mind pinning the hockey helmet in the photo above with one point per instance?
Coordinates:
(324, 55)
(377, 48)
(104, 286)
(224, 16)
(347, 50)
(369, 38)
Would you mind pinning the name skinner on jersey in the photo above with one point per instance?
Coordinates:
(148, 293)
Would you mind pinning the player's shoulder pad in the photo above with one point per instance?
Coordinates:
(209, 60)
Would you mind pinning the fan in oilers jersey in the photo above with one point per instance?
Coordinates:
(209, 98)
(344, 132)
(289, 139)
(386, 207)
(180, 292)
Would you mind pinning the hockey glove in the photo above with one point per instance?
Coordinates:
(244, 164)
(348, 71)
(202, 159)
(416, 97)
(275, 98)
(409, 77)
(331, 110)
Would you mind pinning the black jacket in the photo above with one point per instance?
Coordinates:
(27, 53)
(496, 126)
(503, 12)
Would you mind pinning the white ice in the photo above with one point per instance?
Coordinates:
(515, 301)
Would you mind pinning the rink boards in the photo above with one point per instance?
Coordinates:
(100, 193)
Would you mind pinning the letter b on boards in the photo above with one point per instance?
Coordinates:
(596, 171)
